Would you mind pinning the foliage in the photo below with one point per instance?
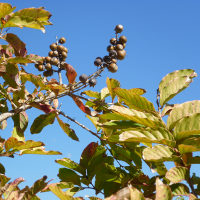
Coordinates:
(129, 129)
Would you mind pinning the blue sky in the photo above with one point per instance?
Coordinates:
(163, 36)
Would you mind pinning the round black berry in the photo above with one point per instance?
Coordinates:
(113, 54)
(83, 78)
(92, 82)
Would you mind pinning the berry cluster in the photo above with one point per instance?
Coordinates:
(116, 52)
(56, 57)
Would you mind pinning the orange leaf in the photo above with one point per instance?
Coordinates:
(80, 104)
(71, 73)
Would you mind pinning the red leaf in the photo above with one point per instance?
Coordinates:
(80, 104)
(71, 73)
(17, 44)
(44, 107)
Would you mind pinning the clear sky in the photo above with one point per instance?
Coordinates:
(163, 36)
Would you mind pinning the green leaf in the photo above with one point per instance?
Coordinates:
(187, 126)
(177, 174)
(40, 151)
(3, 180)
(66, 128)
(2, 169)
(148, 135)
(158, 153)
(112, 84)
(59, 192)
(182, 110)
(134, 101)
(18, 46)
(91, 93)
(42, 121)
(67, 175)
(20, 125)
(158, 167)
(29, 17)
(147, 119)
(162, 191)
(94, 120)
(120, 124)
(39, 185)
(179, 189)
(5, 9)
(173, 83)
(189, 145)
(71, 164)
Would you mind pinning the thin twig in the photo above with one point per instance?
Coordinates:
(81, 125)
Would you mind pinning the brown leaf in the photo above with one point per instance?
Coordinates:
(80, 104)
(17, 44)
(71, 73)
(55, 103)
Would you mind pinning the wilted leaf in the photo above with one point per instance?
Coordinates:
(71, 164)
(91, 93)
(80, 104)
(158, 167)
(87, 154)
(17, 44)
(29, 17)
(29, 144)
(162, 191)
(173, 83)
(71, 73)
(112, 84)
(40, 151)
(104, 93)
(148, 135)
(67, 175)
(12, 143)
(42, 121)
(66, 128)
(5, 9)
(177, 174)
(3, 180)
(134, 101)
(158, 153)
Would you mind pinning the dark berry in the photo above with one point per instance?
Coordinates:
(83, 78)
(107, 59)
(62, 40)
(119, 28)
(92, 82)
(112, 67)
(48, 73)
(113, 54)
(98, 61)
(122, 39)
(53, 46)
(113, 41)
(121, 54)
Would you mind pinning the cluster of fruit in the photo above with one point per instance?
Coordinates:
(116, 52)
(56, 57)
